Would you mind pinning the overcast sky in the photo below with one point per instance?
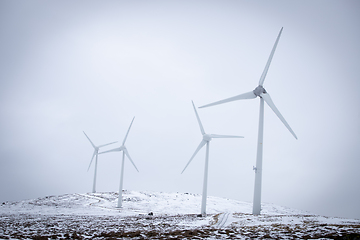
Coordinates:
(73, 66)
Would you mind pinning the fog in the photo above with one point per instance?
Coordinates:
(69, 67)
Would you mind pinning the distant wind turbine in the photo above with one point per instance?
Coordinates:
(206, 140)
(125, 152)
(96, 152)
(259, 91)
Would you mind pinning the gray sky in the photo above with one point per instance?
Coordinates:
(68, 67)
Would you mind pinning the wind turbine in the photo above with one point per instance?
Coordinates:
(96, 153)
(259, 91)
(206, 140)
(125, 152)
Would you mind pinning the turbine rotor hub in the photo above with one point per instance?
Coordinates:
(259, 90)
(207, 137)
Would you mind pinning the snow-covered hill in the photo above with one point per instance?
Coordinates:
(161, 215)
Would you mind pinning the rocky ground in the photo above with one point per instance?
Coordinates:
(68, 217)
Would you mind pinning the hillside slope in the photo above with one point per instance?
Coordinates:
(161, 215)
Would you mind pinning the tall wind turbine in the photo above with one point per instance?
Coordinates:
(259, 91)
(96, 152)
(206, 140)
(125, 152)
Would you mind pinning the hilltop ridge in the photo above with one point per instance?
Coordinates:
(156, 215)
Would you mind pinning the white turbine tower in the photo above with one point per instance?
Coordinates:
(259, 91)
(125, 152)
(206, 140)
(96, 152)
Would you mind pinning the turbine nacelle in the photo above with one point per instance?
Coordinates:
(207, 137)
(121, 148)
(259, 90)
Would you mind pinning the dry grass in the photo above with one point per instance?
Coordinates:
(159, 227)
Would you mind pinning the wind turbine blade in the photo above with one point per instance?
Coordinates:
(127, 154)
(224, 136)
(92, 159)
(89, 140)
(106, 144)
(268, 100)
(112, 150)
(248, 95)
(263, 75)
(198, 118)
(202, 143)
(128, 131)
